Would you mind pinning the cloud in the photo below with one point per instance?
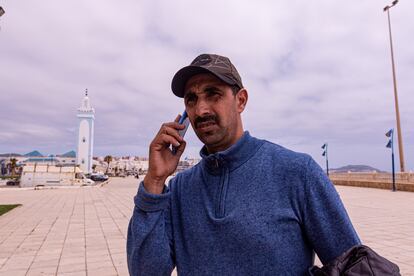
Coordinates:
(315, 72)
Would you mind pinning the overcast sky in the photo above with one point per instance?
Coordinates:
(316, 71)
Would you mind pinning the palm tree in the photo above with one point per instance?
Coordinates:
(13, 163)
(108, 159)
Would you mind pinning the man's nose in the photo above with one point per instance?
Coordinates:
(202, 108)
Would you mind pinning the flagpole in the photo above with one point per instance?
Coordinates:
(390, 144)
(326, 156)
(392, 156)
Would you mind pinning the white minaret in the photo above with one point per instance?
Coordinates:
(86, 115)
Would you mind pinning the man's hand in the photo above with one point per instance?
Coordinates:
(162, 162)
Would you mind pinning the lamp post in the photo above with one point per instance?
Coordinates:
(1, 12)
(325, 153)
(397, 111)
(390, 144)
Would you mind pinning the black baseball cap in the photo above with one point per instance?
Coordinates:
(219, 66)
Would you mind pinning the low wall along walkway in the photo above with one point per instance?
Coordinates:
(403, 181)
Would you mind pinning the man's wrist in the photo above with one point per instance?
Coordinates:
(154, 185)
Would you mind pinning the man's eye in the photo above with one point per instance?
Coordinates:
(189, 100)
(212, 93)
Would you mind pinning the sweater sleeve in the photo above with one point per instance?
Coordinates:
(149, 240)
(326, 222)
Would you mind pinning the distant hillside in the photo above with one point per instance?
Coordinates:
(355, 168)
(34, 153)
(9, 154)
(71, 153)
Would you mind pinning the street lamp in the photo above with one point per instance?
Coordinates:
(397, 111)
(325, 153)
(390, 144)
(1, 12)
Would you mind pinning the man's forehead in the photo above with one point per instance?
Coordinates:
(200, 80)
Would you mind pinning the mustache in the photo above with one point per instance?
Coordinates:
(208, 118)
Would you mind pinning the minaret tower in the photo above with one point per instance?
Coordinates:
(86, 115)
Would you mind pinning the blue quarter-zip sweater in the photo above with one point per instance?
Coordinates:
(253, 209)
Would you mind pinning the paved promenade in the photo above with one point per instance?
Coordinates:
(82, 231)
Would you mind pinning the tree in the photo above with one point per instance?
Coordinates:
(13, 163)
(108, 159)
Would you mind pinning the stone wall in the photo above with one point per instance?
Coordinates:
(403, 181)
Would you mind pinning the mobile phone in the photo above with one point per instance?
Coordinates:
(184, 120)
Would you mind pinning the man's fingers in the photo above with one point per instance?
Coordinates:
(173, 125)
(180, 149)
(171, 131)
(168, 134)
(177, 118)
(169, 140)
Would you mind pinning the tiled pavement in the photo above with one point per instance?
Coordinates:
(82, 231)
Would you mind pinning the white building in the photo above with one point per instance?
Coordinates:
(84, 153)
(51, 175)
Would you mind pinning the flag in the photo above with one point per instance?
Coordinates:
(389, 144)
(324, 153)
(324, 146)
(389, 133)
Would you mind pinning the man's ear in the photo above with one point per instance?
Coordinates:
(241, 97)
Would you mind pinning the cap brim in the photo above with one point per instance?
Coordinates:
(184, 74)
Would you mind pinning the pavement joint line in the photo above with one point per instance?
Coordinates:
(84, 235)
(123, 204)
(23, 210)
(103, 233)
(66, 235)
(45, 238)
(122, 201)
(110, 214)
(117, 198)
(15, 250)
(113, 219)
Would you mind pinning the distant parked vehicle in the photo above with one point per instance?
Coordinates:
(129, 173)
(98, 177)
(13, 182)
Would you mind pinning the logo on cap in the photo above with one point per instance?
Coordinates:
(202, 60)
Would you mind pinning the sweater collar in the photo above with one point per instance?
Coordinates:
(232, 157)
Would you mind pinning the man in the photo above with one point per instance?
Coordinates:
(250, 207)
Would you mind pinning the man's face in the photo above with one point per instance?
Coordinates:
(214, 111)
